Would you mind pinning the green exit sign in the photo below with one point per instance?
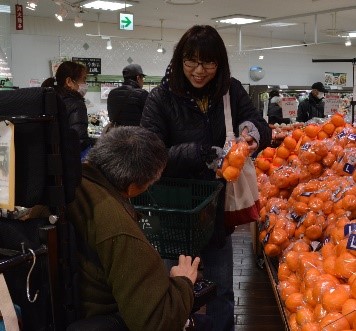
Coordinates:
(126, 21)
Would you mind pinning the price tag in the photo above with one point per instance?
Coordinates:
(349, 228)
(289, 107)
(351, 243)
(331, 104)
(348, 168)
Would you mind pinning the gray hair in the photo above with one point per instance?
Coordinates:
(129, 154)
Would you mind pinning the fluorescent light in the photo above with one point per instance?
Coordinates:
(5, 9)
(238, 19)
(106, 5)
(261, 57)
(160, 48)
(352, 34)
(108, 44)
(78, 22)
(348, 42)
(278, 24)
(32, 4)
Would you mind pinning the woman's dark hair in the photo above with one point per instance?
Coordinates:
(66, 69)
(129, 154)
(204, 42)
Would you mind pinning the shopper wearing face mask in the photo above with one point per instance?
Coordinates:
(70, 84)
(313, 106)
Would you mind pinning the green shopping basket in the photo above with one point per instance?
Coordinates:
(178, 215)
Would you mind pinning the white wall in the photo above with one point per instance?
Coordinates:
(45, 38)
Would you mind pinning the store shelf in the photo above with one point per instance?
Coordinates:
(271, 267)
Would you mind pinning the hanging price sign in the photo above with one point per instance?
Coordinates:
(331, 104)
(289, 107)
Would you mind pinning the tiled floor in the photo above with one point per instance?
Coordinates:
(255, 305)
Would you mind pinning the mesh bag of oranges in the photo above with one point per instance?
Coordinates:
(235, 152)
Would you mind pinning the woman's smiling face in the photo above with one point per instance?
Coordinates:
(199, 73)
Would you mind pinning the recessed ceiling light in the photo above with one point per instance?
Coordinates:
(278, 24)
(238, 19)
(106, 5)
(5, 9)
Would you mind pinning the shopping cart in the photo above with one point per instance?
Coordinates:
(178, 215)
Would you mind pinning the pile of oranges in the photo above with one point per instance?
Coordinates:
(308, 198)
(234, 161)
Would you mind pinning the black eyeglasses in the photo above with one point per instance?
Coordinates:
(195, 64)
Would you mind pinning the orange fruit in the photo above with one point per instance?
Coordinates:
(334, 322)
(282, 152)
(286, 288)
(283, 271)
(345, 265)
(304, 315)
(329, 159)
(315, 204)
(305, 139)
(338, 120)
(349, 202)
(297, 134)
(311, 326)
(231, 173)
(314, 232)
(262, 163)
(311, 276)
(334, 298)
(290, 143)
(291, 259)
(272, 250)
(236, 160)
(349, 310)
(328, 249)
(319, 312)
(301, 208)
(278, 161)
(322, 135)
(268, 152)
(329, 128)
(278, 236)
(294, 301)
(315, 168)
(311, 130)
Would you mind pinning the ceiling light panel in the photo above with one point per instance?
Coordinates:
(238, 19)
(278, 24)
(106, 5)
(5, 9)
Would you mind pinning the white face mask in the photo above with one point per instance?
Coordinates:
(83, 89)
(320, 95)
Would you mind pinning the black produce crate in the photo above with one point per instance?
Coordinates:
(178, 215)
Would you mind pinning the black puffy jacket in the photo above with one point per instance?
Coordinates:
(309, 108)
(184, 129)
(77, 116)
(125, 103)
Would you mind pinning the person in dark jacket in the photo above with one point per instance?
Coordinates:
(187, 112)
(274, 112)
(125, 103)
(70, 84)
(313, 106)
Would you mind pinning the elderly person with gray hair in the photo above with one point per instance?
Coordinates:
(122, 277)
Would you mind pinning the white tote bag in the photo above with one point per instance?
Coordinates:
(241, 196)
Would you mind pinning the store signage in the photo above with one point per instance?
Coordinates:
(289, 107)
(93, 64)
(331, 104)
(335, 78)
(126, 21)
(19, 17)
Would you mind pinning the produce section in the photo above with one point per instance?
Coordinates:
(308, 221)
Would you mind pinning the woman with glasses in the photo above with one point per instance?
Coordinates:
(187, 112)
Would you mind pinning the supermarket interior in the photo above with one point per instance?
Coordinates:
(294, 264)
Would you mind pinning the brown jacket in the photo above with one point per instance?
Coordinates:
(133, 279)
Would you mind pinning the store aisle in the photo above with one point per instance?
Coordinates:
(255, 305)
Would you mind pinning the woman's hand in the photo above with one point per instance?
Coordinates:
(186, 268)
(252, 143)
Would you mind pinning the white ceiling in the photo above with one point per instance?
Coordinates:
(332, 17)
